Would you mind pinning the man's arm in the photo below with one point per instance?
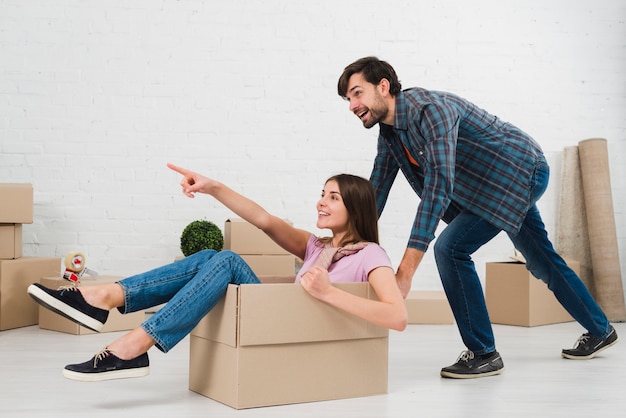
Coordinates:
(404, 276)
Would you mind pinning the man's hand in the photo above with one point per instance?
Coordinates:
(404, 284)
(406, 270)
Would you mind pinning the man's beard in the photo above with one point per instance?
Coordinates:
(376, 113)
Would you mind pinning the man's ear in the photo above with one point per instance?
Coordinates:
(383, 87)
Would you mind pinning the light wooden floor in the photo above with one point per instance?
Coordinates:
(537, 382)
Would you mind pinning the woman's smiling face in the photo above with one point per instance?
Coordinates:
(331, 210)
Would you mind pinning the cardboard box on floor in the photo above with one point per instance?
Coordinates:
(515, 297)
(115, 322)
(10, 241)
(17, 203)
(428, 307)
(17, 308)
(274, 344)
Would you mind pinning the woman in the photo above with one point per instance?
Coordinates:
(192, 286)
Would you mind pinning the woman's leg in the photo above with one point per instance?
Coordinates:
(192, 301)
(132, 344)
(105, 296)
(127, 356)
(158, 286)
(150, 288)
(90, 305)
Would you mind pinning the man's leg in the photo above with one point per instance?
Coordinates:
(546, 264)
(453, 250)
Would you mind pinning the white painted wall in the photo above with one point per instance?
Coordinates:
(96, 97)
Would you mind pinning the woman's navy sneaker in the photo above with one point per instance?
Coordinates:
(69, 302)
(107, 366)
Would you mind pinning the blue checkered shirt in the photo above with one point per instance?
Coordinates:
(467, 159)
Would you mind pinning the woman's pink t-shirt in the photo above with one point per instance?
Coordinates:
(351, 268)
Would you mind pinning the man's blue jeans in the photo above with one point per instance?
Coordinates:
(468, 232)
(190, 287)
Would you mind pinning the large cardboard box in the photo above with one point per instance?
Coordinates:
(17, 308)
(273, 344)
(515, 297)
(428, 307)
(10, 241)
(17, 203)
(115, 322)
(242, 237)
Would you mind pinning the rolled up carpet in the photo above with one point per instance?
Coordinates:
(607, 277)
(572, 237)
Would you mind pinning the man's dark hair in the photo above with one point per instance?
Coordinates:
(373, 70)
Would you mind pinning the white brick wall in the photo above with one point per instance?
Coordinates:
(96, 97)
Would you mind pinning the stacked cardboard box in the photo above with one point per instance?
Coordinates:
(16, 209)
(115, 322)
(274, 344)
(17, 309)
(263, 255)
(515, 297)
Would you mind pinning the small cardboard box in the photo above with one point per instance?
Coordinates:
(116, 321)
(273, 344)
(17, 203)
(17, 308)
(428, 307)
(10, 241)
(242, 237)
(266, 265)
(515, 297)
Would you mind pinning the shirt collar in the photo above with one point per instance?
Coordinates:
(400, 119)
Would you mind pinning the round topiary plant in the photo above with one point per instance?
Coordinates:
(201, 235)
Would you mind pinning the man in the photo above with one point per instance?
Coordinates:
(481, 176)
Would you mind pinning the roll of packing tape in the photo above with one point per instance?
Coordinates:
(75, 261)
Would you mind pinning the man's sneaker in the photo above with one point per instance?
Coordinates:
(69, 302)
(470, 366)
(588, 346)
(107, 366)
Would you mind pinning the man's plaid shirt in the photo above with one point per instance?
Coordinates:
(467, 159)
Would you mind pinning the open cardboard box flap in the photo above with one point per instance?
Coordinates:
(282, 312)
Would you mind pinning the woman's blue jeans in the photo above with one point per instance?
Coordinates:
(190, 287)
(468, 232)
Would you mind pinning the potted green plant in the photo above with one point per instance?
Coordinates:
(201, 235)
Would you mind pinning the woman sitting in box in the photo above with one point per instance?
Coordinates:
(192, 286)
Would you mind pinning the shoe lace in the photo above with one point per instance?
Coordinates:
(466, 356)
(100, 355)
(582, 340)
(71, 287)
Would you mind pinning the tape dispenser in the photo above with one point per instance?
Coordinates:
(75, 267)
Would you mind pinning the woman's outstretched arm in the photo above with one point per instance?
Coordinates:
(291, 239)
